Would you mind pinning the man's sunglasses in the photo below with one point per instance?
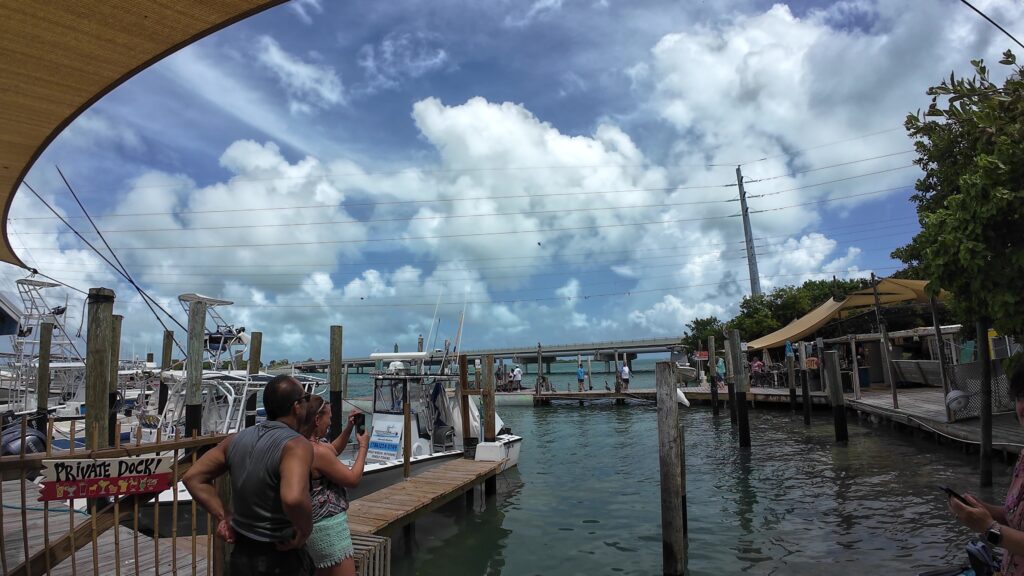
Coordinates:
(303, 398)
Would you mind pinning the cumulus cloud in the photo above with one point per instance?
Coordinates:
(305, 9)
(308, 85)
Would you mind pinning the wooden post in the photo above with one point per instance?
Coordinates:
(406, 432)
(791, 375)
(115, 354)
(713, 370)
(986, 403)
(805, 394)
(884, 333)
(97, 364)
(464, 400)
(255, 351)
(590, 374)
(819, 345)
(730, 381)
(344, 383)
(165, 364)
(855, 378)
(540, 372)
(194, 368)
(488, 420)
(742, 387)
(334, 377)
(941, 345)
(618, 374)
(672, 466)
(221, 549)
(836, 396)
(43, 375)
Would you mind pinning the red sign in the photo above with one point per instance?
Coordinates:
(702, 354)
(101, 487)
(97, 478)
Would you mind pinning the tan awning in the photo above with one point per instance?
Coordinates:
(58, 58)
(890, 290)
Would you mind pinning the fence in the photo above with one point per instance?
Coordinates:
(967, 377)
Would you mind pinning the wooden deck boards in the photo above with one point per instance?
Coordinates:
(924, 408)
(699, 393)
(399, 503)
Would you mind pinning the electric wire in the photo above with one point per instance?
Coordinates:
(992, 22)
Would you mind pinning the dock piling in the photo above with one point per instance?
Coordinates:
(730, 381)
(713, 371)
(43, 375)
(985, 447)
(334, 375)
(742, 384)
(115, 353)
(672, 465)
(836, 396)
(194, 368)
(165, 364)
(97, 364)
(489, 433)
(255, 351)
(791, 374)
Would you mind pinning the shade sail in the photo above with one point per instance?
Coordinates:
(890, 291)
(58, 58)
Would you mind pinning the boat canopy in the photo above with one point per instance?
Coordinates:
(60, 58)
(890, 291)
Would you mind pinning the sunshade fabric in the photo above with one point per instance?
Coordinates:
(890, 290)
(58, 58)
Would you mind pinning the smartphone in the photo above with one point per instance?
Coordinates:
(360, 422)
(953, 494)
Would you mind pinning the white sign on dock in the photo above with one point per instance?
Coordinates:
(386, 438)
(96, 478)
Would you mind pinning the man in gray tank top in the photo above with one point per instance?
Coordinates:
(269, 465)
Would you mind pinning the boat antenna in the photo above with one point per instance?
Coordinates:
(433, 322)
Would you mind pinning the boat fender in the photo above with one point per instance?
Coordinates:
(681, 398)
(420, 447)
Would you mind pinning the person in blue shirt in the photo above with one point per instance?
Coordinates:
(720, 370)
(581, 375)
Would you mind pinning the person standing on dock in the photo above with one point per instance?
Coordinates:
(270, 470)
(720, 370)
(517, 377)
(581, 376)
(330, 544)
(1002, 526)
(625, 376)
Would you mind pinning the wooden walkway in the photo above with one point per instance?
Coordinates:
(403, 502)
(924, 409)
(698, 393)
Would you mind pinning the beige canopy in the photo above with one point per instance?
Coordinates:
(58, 58)
(890, 290)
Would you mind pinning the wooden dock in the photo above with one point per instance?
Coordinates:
(401, 503)
(924, 409)
(700, 394)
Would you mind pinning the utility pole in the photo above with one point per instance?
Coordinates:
(755, 279)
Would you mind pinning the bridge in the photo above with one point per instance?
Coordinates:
(609, 351)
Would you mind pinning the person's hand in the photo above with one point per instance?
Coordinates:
(363, 439)
(297, 542)
(352, 417)
(976, 516)
(225, 531)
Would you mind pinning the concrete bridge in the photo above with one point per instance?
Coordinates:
(610, 351)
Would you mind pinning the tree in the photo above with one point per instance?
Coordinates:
(970, 202)
(756, 317)
(699, 329)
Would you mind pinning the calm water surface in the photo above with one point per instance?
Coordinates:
(585, 499)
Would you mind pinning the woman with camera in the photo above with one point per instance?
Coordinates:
(330, 544)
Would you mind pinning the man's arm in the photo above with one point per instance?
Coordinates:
(296, 463)
(200, 477)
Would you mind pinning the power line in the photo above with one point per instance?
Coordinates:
(825, 145)
(450, 200)
(790, 174)
(500, 233)
(992, 22)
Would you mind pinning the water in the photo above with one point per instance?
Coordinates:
(585, 498)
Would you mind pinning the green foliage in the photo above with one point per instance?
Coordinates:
(970, 202)
(760, 315)
(697, 332)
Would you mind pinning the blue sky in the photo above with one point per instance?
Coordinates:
(564, 168)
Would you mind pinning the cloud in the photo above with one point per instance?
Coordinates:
(538, 9)
(308, 85)
(400, 56)
(95, 129)
(304, 9)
